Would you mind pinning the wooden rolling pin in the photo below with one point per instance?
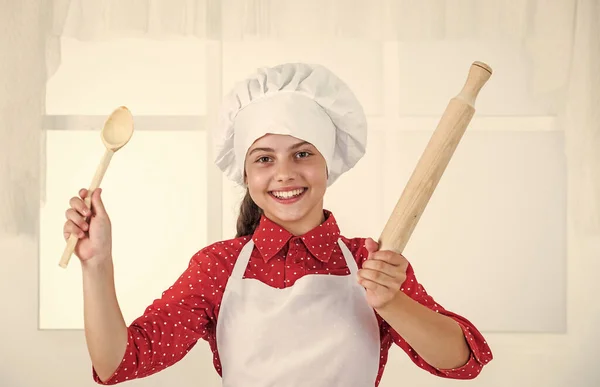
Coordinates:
(433, 162)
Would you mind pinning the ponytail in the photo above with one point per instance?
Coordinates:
(249, 217)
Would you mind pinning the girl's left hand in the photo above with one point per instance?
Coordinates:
(382, 274)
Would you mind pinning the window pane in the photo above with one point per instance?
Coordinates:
(491, 243)
(155, 193)
(150, 77)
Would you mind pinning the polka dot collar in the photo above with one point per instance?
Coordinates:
(270, 238)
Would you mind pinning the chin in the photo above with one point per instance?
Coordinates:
(305, 209)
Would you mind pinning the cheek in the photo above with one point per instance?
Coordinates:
(317, 175)
(257, 179)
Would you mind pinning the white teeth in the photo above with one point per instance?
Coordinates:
(288, 194)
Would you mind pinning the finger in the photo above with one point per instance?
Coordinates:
(97, 203)
(379, 278)
(72, 228)
(83, 193)
(78, 205)
(383, 267)
(391, 266)
(371, 245)
(77, 219)
(389, 257)
(396, 273)
(373, 286)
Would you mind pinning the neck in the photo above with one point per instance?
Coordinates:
(301, 228)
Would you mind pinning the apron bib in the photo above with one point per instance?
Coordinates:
(320, 332)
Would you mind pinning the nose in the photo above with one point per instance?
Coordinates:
(285, 171)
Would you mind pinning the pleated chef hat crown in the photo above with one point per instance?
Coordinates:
(305, 101)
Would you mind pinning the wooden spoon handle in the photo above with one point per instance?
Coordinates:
(100, 171)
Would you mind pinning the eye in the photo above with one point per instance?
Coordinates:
(263, 159)
(303, 154)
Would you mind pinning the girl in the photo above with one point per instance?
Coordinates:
(289, 301)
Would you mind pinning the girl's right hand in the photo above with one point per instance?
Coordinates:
(92, 227)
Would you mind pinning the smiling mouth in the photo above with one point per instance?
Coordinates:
(291, 195)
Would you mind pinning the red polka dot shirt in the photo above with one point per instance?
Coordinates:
(188, 310)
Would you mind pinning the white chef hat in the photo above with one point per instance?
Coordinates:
(305, 101)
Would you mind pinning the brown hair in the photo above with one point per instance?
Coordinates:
(249, 216)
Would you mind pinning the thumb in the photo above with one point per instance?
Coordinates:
(97, 204)
(371, 245)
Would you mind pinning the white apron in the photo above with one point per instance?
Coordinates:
(320, 332)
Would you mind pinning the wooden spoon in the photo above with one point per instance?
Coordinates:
(117, 132)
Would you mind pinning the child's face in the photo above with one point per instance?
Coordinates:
(287, 178)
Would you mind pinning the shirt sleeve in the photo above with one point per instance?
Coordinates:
(171, 325)
(480, 351)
